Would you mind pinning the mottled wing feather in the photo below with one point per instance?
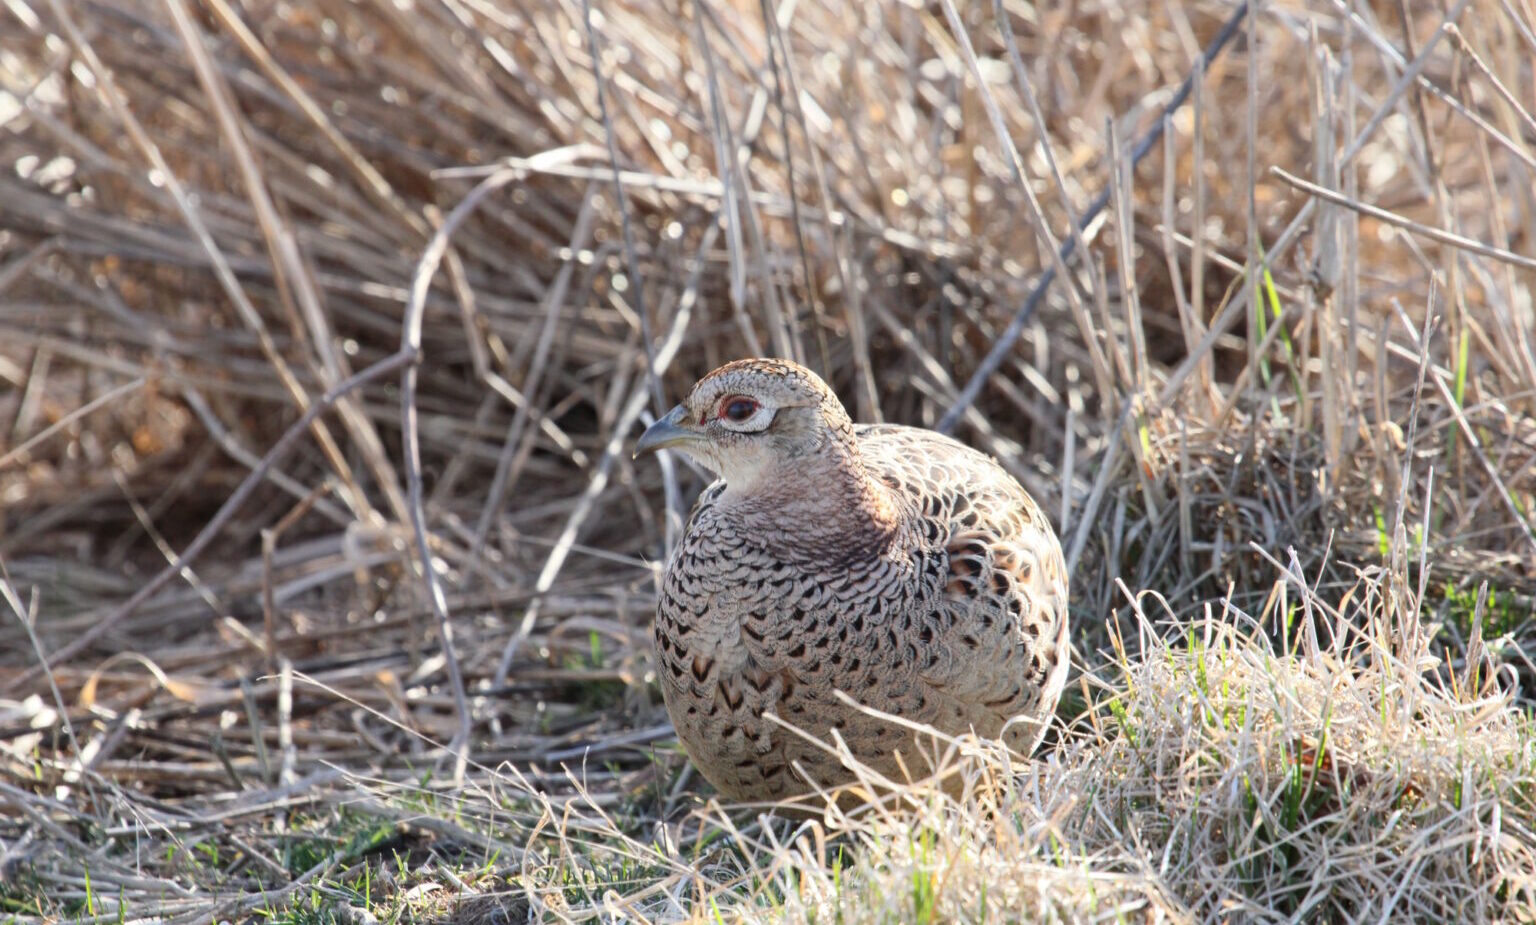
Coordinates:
(999, 625)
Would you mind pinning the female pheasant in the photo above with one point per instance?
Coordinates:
(890, 563)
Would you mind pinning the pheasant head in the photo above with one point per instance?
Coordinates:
(756, 421)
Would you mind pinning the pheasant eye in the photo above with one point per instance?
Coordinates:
(738, 409)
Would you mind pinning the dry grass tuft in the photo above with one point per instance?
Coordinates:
(1219, 777)
(1288, 388)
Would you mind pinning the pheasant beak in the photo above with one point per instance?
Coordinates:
(669, 430)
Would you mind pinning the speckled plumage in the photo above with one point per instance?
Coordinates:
(891, 563)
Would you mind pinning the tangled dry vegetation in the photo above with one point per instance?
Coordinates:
(1283, 413)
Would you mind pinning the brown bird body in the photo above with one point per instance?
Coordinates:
(890, 563)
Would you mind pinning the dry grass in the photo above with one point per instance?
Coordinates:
(247, 258)
(1222, 780)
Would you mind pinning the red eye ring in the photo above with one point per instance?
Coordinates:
(737, 408)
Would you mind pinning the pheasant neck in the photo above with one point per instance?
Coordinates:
(830, 496)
